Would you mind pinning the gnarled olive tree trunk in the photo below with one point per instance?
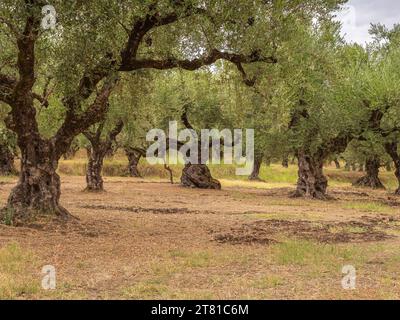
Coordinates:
(392, 150)
(94, 180)
(311, 179)
(255, 174)
(38, 189)
(134, 155)
(371, 179)
(196, 175)
(96, 153)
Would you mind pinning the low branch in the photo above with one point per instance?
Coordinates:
(94, 137)
(247, 81)
(143, 25)
(26, 56)
(185, 119)
(191, 65)
(7, 87)
(112, 136)
(77, 123)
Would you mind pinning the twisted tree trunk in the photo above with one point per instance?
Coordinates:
(371, 179)
(38, 189)
(392, 150)
(256, 169)
(311, 179)
(96, 153)
(94, 180)
(134, 155)
(196, 175)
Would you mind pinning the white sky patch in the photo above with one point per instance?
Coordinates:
(359, 14)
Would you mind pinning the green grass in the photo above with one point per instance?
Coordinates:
(347, 229)
(307, 253)
(8, 216)
(16, 279)
(368, 206)
(149, 289)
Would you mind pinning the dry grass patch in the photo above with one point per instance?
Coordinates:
(120, 249)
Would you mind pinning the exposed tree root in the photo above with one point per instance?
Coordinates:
(23, 216)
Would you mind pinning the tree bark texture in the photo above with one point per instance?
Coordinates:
(311, 179)
(255, 174)
(97, 151)
(134, 155)
(199, 176)
(371, 179)
(392, 150)
(196, 175)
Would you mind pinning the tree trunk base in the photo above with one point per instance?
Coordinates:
(17, 214)
(199, 176)
(27, 217)
(369, 182)
(316, 195)
(311, 182)
(371, 179)
(36, 195)
(255, 174)
(134, 173)
(133, 162)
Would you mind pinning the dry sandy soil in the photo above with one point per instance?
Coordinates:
(153, 240)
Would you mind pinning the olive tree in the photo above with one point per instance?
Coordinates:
(95, 41)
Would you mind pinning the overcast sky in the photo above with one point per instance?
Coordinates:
(361, 13)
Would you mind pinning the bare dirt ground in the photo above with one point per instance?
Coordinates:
(144, 240)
